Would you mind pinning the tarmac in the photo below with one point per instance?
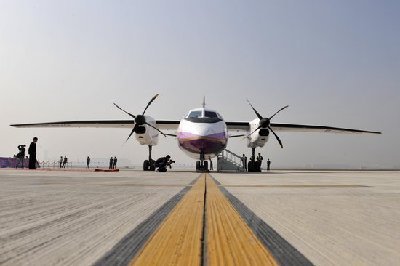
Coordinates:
(79, 217)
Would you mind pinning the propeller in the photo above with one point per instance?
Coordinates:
(140, 119)
(265, 122)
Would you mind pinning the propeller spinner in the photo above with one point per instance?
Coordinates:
(265, 122)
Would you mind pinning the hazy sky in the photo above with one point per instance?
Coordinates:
(334, 62)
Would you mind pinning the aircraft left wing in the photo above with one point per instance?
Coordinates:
(161, 124)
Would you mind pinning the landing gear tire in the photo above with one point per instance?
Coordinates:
(146, 165)
(254, 166)
(205, 166)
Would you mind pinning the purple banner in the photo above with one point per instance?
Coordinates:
(13, 162)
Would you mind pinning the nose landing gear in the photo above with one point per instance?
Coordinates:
(202, 165)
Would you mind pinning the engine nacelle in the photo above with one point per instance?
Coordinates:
(147, 135)
(258, 138)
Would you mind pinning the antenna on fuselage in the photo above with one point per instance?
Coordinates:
(204, 101)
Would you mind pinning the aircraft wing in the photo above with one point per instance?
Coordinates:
(238, 126)
(244, 126)
(309, 128)
(161, 124)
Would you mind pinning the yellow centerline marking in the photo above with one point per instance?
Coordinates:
(228, 239)
(178, 240)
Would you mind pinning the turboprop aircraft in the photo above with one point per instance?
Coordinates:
(202, 133)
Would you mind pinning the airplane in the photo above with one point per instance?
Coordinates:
(202, 134)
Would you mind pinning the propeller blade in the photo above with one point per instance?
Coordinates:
(131, 115)
(148, 104)
(283, 108)
(156, 129)
(276, 136)
(257, 113)
(255, 130)
(133, 130)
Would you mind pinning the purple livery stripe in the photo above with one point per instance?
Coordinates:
(213, 143)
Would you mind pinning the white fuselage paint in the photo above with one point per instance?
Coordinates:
(202, 134)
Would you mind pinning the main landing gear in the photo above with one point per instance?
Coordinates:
(253, 165)
(148, 165)
(202, 165)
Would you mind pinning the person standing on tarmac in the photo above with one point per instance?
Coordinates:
(115, 162)
(65, 161)
(110, 166)
(32, 154)
(61, 161)
(268, 165)
(244, 162)
(88, 162)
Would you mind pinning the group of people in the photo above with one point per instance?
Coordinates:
(113, 163)
(259, 160)
(63, 161)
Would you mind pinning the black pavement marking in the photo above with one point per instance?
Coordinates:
(127, 248)
(283, 252)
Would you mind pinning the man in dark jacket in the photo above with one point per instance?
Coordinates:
(32, 154)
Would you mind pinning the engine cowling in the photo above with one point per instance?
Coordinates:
(259, 137)
(145, 134)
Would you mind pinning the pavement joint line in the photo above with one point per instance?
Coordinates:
(127, 248)
(297, 186)
(204, 230)
(283, 251)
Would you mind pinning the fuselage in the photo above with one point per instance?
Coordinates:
(202, 131)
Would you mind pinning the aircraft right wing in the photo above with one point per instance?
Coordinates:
(310, 128)
(278, 127)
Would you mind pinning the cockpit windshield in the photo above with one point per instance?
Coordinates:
(210, 114)
(199, 113)
(194, 114)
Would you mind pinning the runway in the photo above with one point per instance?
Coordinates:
(187, 218)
